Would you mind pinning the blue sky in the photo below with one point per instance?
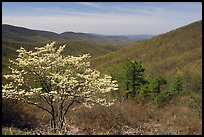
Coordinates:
(110, 18)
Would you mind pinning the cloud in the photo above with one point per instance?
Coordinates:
(106, 19)
(98, 23)
(89, 4)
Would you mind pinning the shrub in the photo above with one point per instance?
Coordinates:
(14, 114)
(175, 87)
(103, 120)
(155, 84)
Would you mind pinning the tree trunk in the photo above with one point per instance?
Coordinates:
(127, 88)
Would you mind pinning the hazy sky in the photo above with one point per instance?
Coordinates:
(113, 18)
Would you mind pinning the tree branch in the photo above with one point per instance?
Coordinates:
(72, 102)
(32, 103)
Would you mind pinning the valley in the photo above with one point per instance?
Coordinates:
(173, 56)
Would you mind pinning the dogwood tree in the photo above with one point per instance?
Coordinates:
(54, 82)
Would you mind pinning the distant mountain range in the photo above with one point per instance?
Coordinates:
(14, 37)
(139, 37)
(24, 32)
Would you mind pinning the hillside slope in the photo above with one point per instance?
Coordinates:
(179, 49)
(14, 37)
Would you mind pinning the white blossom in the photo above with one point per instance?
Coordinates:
(56, 76)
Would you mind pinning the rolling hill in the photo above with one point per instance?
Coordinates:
(14, 37)
(179, 49)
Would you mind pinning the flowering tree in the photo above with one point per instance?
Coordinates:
(54, 82)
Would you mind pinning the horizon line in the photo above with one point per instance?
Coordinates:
(33, 29)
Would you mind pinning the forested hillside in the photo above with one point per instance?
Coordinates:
(179, 49)
(178, 52)
(14, 37)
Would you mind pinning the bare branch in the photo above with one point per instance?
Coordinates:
(32, 103)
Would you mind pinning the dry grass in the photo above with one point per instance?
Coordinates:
(128, 117)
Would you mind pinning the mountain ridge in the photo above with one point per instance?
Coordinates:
(30, 32)
(164, 53)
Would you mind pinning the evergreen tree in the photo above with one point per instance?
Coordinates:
(134, 77)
